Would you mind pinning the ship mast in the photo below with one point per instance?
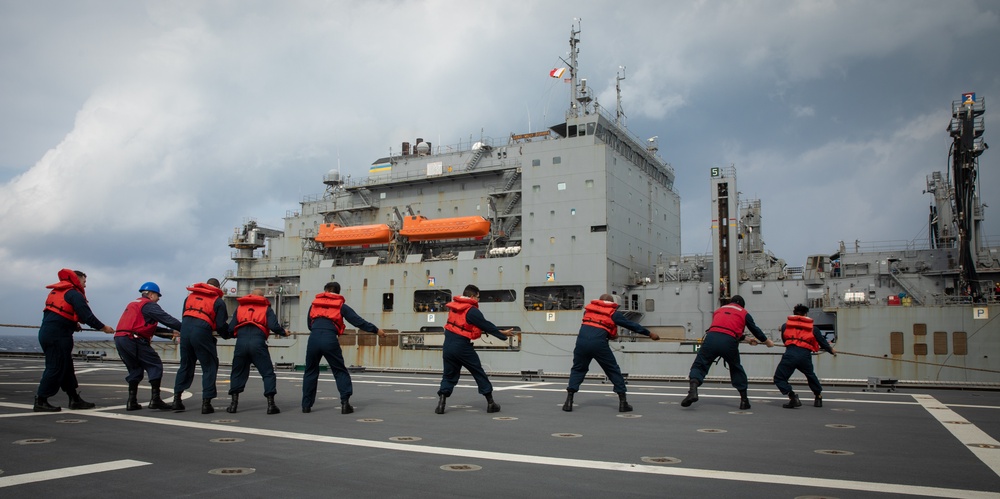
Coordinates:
(619, 112)
(574, 52)
(966, 129)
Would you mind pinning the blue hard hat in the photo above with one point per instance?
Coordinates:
(150, 286)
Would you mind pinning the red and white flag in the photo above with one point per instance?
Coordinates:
(557, 72)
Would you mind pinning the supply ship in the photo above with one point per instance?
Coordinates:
(543, 222)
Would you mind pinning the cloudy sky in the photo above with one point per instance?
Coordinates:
(136, 135)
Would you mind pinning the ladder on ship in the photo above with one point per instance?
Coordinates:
(477, 156)
(909, 291)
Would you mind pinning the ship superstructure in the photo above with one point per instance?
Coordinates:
(543, 222)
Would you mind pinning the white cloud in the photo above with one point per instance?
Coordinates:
(803, 111)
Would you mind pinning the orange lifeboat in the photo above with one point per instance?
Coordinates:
(420, 228)
(332, 235)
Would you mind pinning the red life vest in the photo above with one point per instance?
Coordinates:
(201, 302)
(729, 319)
(598, 313)
(56, 301)
(458, 308)
(252, 310)
(133, 322)
(328, 305)
(799, 332)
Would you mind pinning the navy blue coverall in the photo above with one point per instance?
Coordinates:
(56, 338)
(324, 343)
(458, 352)
(198, 344)
(718, 344)
(592, 344)
(135, 350)
(796, 357)
(251, 348)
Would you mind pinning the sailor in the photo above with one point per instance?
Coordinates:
(801, 339)
(600, 324)
(135, 330)
(252, 323)
(466, 324)
(326, 323)
(204, 311)
(723, 340)
(65, 308)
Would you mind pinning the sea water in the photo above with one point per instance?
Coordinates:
(20, 340)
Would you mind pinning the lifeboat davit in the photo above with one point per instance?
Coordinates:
(420, 228)
(332, 235)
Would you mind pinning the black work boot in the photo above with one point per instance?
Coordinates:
(442, 400)
(132, 404)
(76, 403)
(271, 408)
(623, 405)
(692, 396)
(744, 401)
(42, 405)
(206, 406)
(155, 402)
(177, 405)
(491, 406)
(793, 401)
(234, 404)
(568, 405)
(345, 406)
(818, 401)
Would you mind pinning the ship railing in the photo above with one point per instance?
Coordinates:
(240, 255)
(272, 272)
(288, 267)
(638, 142)
(992, 241)
(889, 246)
(395, 177)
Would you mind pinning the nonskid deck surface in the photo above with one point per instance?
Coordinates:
(937, 443)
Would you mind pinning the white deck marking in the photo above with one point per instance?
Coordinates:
(521, 387)
(41, 476)
(966, 432)
(98, 369)
(893, 488)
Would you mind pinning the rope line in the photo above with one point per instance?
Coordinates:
(669, 340)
